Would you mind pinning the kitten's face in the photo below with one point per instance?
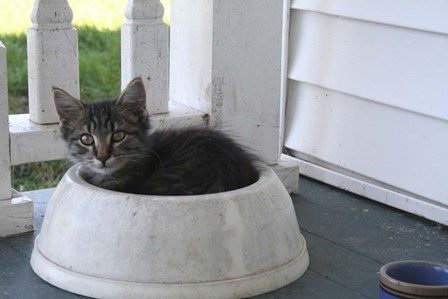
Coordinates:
(105, 136)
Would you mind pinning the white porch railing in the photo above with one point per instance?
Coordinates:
(225, 69)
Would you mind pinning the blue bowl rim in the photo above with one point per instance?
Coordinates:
(395, 286)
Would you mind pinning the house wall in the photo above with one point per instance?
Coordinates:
(368, 99)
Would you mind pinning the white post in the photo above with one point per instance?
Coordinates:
(226, 59)
(16, 211)
(191, 41)
(52, 57)
(144, 51)
(5, 161)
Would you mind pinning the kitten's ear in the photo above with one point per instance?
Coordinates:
(67, 106)
(133, 99)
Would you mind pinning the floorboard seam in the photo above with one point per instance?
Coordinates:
(339, 284)
(343, 246)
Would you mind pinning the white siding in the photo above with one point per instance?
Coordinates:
(368, 93)
(428, 15)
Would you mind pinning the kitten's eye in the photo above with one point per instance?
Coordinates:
(118, 136)
(86, 139)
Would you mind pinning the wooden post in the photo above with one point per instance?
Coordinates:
(144, 51)
(191, 52)
(226, 59)
(52, 57)
(16, 211)
(5, 161)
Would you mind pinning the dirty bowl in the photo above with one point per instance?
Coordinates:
(101, 243)
(413, 280)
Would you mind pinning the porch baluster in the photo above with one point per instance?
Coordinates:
(52, 57)
(144, 51)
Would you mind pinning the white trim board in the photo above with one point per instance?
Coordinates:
(408, 203)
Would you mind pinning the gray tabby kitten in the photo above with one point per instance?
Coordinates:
(112, 141)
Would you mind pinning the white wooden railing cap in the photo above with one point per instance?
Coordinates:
(140, 12)
(51, 14)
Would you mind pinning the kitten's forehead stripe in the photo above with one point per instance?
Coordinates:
(101, 115)
(93, 122)
(108, 122)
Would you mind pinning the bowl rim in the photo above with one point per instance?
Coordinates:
(266, 173)
(395, 286)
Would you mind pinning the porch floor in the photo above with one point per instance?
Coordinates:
(348, 237)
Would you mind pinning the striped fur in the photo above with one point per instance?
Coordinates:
(112, 141)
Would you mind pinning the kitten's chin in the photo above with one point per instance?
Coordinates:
(107, 170)
(99, 168)
(103, 170)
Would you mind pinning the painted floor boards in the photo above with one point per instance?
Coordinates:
(348, 238)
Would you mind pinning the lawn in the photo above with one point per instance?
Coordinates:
(98, 23)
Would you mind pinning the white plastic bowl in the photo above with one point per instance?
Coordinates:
(100, 243)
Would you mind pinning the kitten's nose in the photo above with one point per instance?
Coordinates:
(103, 158)
(102, 154)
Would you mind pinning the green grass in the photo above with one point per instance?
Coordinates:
(98, 23)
